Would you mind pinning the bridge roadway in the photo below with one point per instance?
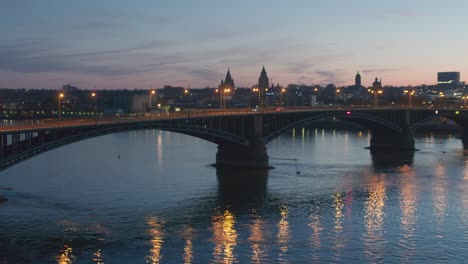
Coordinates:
(241, 134)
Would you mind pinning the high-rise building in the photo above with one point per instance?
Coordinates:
(448, 78)
(357, 80)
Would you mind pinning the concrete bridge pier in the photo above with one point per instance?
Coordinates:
(254, 155)
(387, 139)
(232, 155)
(464, 137)
(392, 140)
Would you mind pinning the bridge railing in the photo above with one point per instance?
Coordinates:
(193, 113)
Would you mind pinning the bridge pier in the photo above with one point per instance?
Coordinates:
(231, 155)
(391, 140)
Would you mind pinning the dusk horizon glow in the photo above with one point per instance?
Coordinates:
(118, 45)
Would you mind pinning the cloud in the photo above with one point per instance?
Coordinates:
(39, 58)
(326, 77)
(372, 71)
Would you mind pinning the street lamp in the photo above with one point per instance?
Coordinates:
(281, 95)
(226, 91)
(61, 95)
(377, 100)
(337, 91)
(94, 96)
(152, 92)
(410, 93)
(259, 98)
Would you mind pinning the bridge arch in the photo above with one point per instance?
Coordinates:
(372, 122)
(49, 141)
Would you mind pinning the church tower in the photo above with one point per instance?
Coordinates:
(228, 81)
(357, 80)
(263, 81)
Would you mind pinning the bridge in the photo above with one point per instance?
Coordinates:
(241, 135)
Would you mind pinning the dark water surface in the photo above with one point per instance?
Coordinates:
(150, 197)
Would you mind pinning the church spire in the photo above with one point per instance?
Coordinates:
(228, 81)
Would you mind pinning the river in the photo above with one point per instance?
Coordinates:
(151, 197)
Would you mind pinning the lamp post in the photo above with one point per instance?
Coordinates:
(376, 97)
(61, 95)
(225, 91)
(281, 96)
(94, 96)
(410, 93)
(151, 93)
(337, 91)
(256, 89)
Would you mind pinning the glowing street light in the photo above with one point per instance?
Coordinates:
(410, 93)
(61, 95)
(151, 93)
(225, 91)
(255, 89)
(281, 95)
(337, 91)
(94, 96)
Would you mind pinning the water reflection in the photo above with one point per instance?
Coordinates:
(439, 194)
(188, 248)
(409, 192)
(374, 218)
(98, 258)
(284, 234)
(315, 223)
(66, 255)
(338, 205)
(391, 159)
(256, 240)
(224, 237)
(240, 188)
(157, 235)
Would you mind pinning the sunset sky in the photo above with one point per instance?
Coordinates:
(118, 44)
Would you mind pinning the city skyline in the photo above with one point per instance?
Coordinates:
(186, 43)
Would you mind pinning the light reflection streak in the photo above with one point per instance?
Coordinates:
(408, 198)
(464, 197)
(284, 234)
(157, 234)
(66, 255)
(316, 225)
(159, 148)
(188, 248)
(224, 237)
(338, 205)
(98, 258)
(374, 217)
(439, 192)
(256, 239)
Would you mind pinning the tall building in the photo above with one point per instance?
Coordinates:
(357, 80)
(377, 85)
(226, 89)
(263, 85)
(228, 81)
(263, 81)
(448, 78)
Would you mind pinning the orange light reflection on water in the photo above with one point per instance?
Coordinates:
(157, 234)
(66, 255)
(224, 237)
(284, 234)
